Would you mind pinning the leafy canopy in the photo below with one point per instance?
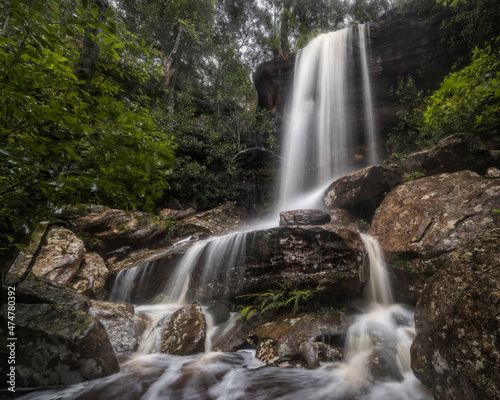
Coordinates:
(64, 141)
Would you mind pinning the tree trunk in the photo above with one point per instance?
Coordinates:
(169, 62)
(89, 56)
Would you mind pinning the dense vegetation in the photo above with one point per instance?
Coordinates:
(131, 104)
(468, 99)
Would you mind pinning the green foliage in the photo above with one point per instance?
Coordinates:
(363, 225)
(468, 100)
(405, 136)
(286, 297)
(64, 142)
(414, 175)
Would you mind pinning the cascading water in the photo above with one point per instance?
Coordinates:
(376, 365)
(318, 140)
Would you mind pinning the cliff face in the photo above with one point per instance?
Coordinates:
(400, 45)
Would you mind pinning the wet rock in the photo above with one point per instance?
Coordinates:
(60, 257)
(91, 276)
(421, 222)
(363, 188)
(456, 352)
(298, 339)
(326, 256)
(122, 326)
(304, 217)
(185, 332)
(57, 345)
(114, 228)
(35, 290)
(452, 154)
(220, 313)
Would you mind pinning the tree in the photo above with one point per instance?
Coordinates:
(68, 141)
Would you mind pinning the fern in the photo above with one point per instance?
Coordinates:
(285, 297)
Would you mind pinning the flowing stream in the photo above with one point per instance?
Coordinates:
(376, 363)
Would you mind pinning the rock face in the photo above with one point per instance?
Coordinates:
(186, 332)
(305, 257)
(399, 46)
(421, 222)
(451, 155)
(122, 326)
(456, 352)
(363, 188)
(59, 346)
(61, 257)
(92, 275)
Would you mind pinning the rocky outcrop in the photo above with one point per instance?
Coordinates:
(91, 276)
(122, 326)
(61, 257)
(57, 345)
(218, 221)
(456, 352)
(185, 332)
(111, 228)
(421, 222)
(363, 189)
(325, 256)
(304, 217)
(451, 155)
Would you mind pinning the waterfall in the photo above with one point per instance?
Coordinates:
(316, 150)
(318, 138)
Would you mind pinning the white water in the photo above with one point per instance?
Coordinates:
(377, 357)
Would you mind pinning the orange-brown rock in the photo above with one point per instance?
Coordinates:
(456, 352)
(91, 276)
(422, 221)
(61, 257)
(185, 332)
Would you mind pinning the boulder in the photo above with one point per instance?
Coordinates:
(364, 188)
(91, 276)
(451, 155)
(421, 222)
(325, 256)
(57, 345)
(35, 290)
(304, 217)
(185, 332)
(456, 352)
(302, 339)
(122, 326)
(60, 257)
